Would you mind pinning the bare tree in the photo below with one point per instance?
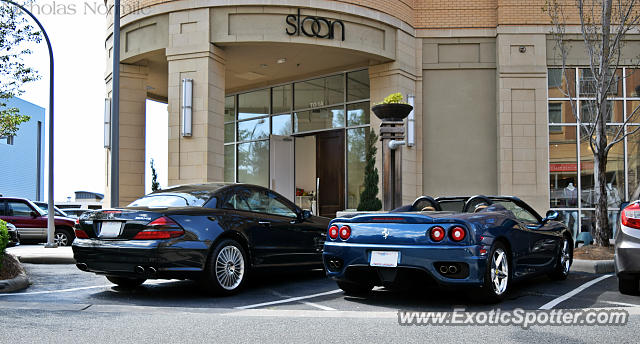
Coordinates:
(604, 26)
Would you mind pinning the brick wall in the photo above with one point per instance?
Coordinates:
(430, 14)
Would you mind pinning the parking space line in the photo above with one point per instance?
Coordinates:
(56, 291)
(324, 308)
(291, 299)
(574, 292)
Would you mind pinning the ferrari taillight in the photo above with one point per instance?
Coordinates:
(436, 233)
(458, 233)
(630, 216)
(333, 232)
(160, 228)
(345, 232)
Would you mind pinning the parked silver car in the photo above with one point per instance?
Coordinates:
(627, 249)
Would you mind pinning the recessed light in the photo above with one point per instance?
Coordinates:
(282, 60)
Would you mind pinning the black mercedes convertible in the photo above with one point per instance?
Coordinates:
(216, 233)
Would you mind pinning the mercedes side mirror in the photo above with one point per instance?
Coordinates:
(306, 214)
(551, 215)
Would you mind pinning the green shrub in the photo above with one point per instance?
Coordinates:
(4, 240)
(394, 98)
(369, 200)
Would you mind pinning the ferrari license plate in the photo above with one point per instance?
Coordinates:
(110, 229)
(387, 259)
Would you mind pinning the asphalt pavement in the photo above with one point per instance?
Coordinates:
(64, 304)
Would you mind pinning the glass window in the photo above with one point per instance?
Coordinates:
(19, 209)
(356, 149)
(633, 154)
(281, 125)
(358, 114)
(614, 110)
(560, 112)
(253, 130)
(281, 99)
(570, 219)
(238, 201)
(519, 212)
(633, 111)
(253, 163)
(267, 203)
(558, 83)
(318, 119)
(162, 201)
(319, 92)
(358, 85)
(633, 82)
(614, 173)
(563, 166)
(229, 163)
(253, 104)
(229, 132)
(588, 84)
(229, 108)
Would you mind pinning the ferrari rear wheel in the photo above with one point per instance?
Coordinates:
(126, 282)
(563, 264)
(354, 289)
(227, 268)
(497, 277)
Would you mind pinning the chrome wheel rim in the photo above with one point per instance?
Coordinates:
(499, 271)
(229, 267)
(60, 239)
(565, 257)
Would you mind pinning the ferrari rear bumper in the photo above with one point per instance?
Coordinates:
(352, 262)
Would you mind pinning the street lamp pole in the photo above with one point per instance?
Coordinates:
(51, 213)
(115, 109)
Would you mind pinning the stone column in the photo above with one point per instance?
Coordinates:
(523, 147)
(199, 158)
(404, 76)
(133, 96)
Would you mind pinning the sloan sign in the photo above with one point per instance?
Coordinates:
(311, 26)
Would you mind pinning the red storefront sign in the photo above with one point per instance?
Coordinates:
(587, 165)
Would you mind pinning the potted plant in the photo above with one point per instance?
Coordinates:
(393, 108)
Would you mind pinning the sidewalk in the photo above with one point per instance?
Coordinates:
(38, 254)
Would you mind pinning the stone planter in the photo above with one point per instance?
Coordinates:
(394, 112)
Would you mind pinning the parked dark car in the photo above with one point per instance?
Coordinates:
(14, 237)
(44, 206)
(217, 233)
(31, 221)
(482, 242)
(627, 249)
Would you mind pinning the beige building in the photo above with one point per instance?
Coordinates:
(281, 94)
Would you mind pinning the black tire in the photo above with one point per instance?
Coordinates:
(561, 269)
(63, 237)
(226, 272)
(628, 285)
(354, 289)
(490, 292)
(126, 282)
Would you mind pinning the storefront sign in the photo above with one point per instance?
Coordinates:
(311, 26)
(587, 165)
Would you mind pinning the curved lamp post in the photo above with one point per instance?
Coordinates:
(50, 213)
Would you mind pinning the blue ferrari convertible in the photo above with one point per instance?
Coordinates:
(486, 242)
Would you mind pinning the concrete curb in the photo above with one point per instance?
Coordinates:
(17, 283)
(46, 260)
(593, 266)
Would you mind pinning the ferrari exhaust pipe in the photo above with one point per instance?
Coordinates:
(139, 270)
(453, 269)
(82, 266)
(152, 270)
(443, 269)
